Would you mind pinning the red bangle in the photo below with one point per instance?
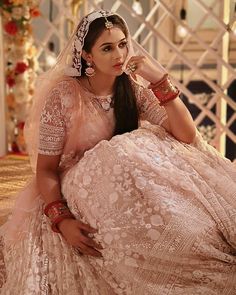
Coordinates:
(57, 211)
(164, 90)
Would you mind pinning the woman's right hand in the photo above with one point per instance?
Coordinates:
(77, 233)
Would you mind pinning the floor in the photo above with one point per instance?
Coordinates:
(14, 173)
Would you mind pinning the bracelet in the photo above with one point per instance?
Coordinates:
(57, 211)
(164, 90)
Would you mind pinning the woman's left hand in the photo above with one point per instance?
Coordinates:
(142, 66)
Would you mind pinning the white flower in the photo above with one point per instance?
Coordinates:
(82, 193)
(67, 101)
(17, 12)
(86, 179)
(108, 238)
(113, 197)
(153, 234)
(140, 182)
(156, 220)
(131, 262)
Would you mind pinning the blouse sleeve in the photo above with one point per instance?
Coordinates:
(52, 126)
(149, 107)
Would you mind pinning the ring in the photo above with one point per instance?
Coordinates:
(132, 67)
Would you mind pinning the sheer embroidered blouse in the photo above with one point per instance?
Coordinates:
(72, 120)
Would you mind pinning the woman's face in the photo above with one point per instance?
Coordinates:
(109, 52)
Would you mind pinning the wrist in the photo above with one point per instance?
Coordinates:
(153, 79)
(164, 90)
(57, 211)
(158, 77)
(61, 225)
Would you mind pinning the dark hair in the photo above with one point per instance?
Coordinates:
(125, 106)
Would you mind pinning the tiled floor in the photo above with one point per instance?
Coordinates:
(14, 172)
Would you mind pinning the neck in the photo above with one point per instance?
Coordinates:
(101, 84)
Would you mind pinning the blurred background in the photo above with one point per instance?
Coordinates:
(195, 40)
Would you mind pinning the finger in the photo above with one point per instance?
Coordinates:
(77, 250)
(86, 227)
(133, 76)
(91, 243)
(89, 251)
(135, 57)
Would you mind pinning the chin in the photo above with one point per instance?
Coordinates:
(119, 73)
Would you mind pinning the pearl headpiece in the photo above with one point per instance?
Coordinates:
(108, 24)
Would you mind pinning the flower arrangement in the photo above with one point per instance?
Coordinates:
(20, 65)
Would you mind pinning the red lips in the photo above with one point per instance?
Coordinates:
(118, 64)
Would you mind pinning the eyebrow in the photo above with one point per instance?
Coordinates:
(112, 43)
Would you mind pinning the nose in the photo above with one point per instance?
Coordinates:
(118, 53)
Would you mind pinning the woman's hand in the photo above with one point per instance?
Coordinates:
(77, 233)
(142, 66)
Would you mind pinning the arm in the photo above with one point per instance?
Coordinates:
(51, 143)
(48, 178)
(74, 231)
(179, 121)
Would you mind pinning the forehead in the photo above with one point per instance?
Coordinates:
(112, 35)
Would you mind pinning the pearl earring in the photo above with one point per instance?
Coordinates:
(89, 71)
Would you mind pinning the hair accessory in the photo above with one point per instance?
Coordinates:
(108, 24)
(164, 90)
(57, 211)
(89, 71)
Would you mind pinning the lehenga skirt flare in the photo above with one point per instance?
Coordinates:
(165, 213)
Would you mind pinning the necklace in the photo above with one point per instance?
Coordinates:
(104, 101)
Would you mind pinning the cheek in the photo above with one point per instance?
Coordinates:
(126, 52)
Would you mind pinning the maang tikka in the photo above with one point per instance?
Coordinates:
(89, 71)
(108, 24)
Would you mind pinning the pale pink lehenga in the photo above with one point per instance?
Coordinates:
(165, 211)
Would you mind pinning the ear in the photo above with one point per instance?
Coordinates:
(86, 56)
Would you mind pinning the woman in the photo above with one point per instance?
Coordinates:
(150, 210)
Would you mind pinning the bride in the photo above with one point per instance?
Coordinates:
(127, 198)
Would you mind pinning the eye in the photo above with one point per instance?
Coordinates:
(123, 44)
(107, 48)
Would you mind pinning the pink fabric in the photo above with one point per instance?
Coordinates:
(165, 211)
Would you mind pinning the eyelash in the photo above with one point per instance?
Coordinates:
(123, 44)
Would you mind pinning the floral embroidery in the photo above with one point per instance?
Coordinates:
(148, 105)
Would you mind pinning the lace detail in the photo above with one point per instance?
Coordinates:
(56, 118)
(148, 105)
(165, 219)
(156, 215)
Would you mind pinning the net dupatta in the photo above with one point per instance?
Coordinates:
(68, 65)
